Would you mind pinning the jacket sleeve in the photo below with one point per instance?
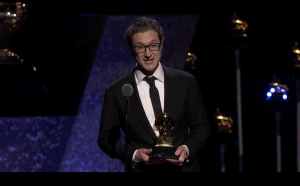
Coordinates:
(111, 138)
(199, 128)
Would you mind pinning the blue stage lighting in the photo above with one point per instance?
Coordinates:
(277, 91)
(284, 96)
(272, 90)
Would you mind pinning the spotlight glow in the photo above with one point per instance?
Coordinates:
(269, 94)
(284, 97)
(277, 92)
(272, 90)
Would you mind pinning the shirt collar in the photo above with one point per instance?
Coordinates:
(158, 73)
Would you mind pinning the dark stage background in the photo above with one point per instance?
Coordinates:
(51, 103)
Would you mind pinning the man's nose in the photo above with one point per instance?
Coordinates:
(147, 52)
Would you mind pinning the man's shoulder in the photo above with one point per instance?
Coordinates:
(178, 73)
(118, 83)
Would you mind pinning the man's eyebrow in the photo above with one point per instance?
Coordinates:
(150, 43)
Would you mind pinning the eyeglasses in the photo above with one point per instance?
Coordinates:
(154, 47)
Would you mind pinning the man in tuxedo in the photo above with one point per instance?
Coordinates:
(132, 104)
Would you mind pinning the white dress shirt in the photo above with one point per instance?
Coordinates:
(143, 90)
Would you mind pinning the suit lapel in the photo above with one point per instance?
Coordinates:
(169, 99)
(139, 110)
(170, 86)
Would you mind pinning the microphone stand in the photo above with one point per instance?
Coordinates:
(239, 108)
(239, 29)
(278, 141)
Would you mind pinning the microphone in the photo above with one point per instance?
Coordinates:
(127, 91)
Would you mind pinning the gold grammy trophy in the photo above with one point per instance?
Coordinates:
(164, 148)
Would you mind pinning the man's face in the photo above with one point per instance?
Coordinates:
(147, 49)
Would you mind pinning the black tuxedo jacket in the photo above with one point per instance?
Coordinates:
(183, 103)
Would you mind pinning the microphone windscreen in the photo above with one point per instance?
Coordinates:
(127, 90)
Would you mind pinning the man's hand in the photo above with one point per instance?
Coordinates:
(142, 154)
(182, 154)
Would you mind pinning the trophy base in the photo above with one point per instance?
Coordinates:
(160, 154)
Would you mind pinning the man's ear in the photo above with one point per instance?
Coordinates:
(132, 52)
(162, 45)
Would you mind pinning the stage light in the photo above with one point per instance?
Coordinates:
(7, 56)
(190, 62)
(239, 26)
(191, 58)
(220, 117)
(224, 123)
(277, 91)
(284, 96)
(272, 90)
(269, 94)
(13, 15)
(295, 50)
(224, 129)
